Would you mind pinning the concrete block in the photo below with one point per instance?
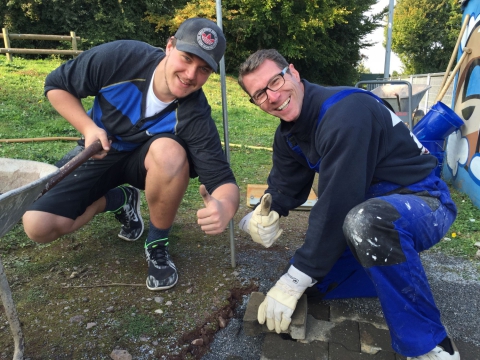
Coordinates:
(373, 339)
(345, 333)
(277, 348)
(318, 309)
(340, 313)
(297, 328)
(339, 352)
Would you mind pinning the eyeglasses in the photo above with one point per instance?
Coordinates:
(274, 85)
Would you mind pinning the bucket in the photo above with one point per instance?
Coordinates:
(438, 123)
(439, 155)
(434, 146)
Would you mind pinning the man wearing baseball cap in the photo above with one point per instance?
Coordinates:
(156, 130)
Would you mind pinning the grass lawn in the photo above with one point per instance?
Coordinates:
(45, 279)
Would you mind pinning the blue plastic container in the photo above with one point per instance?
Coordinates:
(439, 156)
(434, 146)
(438, 123)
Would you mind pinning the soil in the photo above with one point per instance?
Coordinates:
(84, 295)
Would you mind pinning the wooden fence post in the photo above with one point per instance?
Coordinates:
(6, 40)
(74, 41)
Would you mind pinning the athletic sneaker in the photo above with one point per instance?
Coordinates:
(438, 354)
(129, 215)
(162, 273)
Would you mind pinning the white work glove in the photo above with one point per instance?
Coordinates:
(281, 300)
(262, 224)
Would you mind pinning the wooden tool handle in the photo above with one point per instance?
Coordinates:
(74, 163)
(265, 204)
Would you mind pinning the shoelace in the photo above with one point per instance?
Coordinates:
(159, 254)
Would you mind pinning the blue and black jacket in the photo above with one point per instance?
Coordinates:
(356, 143)
(118, 75)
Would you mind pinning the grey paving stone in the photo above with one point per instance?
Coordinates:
(345, 333)
(339, 352)
(373, 339)
(468, 351)
(276, 348)
(297, 327)
(318, 309)
(340, 313)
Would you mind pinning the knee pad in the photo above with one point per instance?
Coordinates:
(371, 234)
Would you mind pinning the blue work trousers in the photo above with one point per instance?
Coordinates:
(385, 235)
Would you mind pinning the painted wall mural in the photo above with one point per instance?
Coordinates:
(462, 165)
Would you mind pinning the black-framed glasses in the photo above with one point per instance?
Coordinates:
(274, 85)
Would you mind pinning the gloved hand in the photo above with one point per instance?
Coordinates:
(281, 300)
(262, 224)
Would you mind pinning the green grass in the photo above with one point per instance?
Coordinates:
(40, 275)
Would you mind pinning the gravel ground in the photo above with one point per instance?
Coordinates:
(455, 283)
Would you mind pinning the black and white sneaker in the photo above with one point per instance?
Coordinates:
(162, 273)
(129, 215)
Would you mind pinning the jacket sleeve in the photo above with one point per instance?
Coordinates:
(348, 140)
(198, 130)
(290, 179)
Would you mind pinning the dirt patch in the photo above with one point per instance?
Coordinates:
(84, 295)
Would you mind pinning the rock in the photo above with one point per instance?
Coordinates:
(159, 299)
(91, 325)
(189, 291)
(222, 322)
(197, 342)
(477, 255)
(168, 303)
(77, 319)
(109, 309)
(477, 244)
(159, 311)
(120, 355)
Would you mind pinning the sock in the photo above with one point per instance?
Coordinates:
(156, 236)
(115, 199)
(446, 344)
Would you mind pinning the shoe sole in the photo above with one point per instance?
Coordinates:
(139, 218)
(160, 288)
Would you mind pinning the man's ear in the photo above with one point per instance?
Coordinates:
(294, 72)
(169, 46)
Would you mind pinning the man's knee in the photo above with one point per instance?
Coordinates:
(371, 235)
(40, 226)
(168, 156)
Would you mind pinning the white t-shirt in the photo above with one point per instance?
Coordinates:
(154, 104)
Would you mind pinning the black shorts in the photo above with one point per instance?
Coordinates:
(94, 178)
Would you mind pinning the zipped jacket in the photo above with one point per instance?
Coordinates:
(356, 143)
(118, 75)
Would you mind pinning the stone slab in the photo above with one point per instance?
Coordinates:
(340, 313)
(339, 352)
(373, 340)
(252, 327)
(277, 348)
(345, 333)
(468, 351)
(318, 309)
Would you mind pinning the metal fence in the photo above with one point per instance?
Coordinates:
(434, 80)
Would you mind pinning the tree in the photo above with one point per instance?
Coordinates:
(322, 38)
(95, 21)
(424, 33)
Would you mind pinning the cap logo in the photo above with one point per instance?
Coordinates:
(207, 38)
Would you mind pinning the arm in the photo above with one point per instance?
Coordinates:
(220, 207)
(71, 108)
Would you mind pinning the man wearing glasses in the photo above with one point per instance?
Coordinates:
(379, 204)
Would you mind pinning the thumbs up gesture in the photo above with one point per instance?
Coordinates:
(262, 224)
(212, 219)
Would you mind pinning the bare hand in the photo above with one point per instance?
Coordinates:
(98, 134)
(212, 218)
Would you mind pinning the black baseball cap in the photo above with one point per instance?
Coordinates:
(203, 38)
